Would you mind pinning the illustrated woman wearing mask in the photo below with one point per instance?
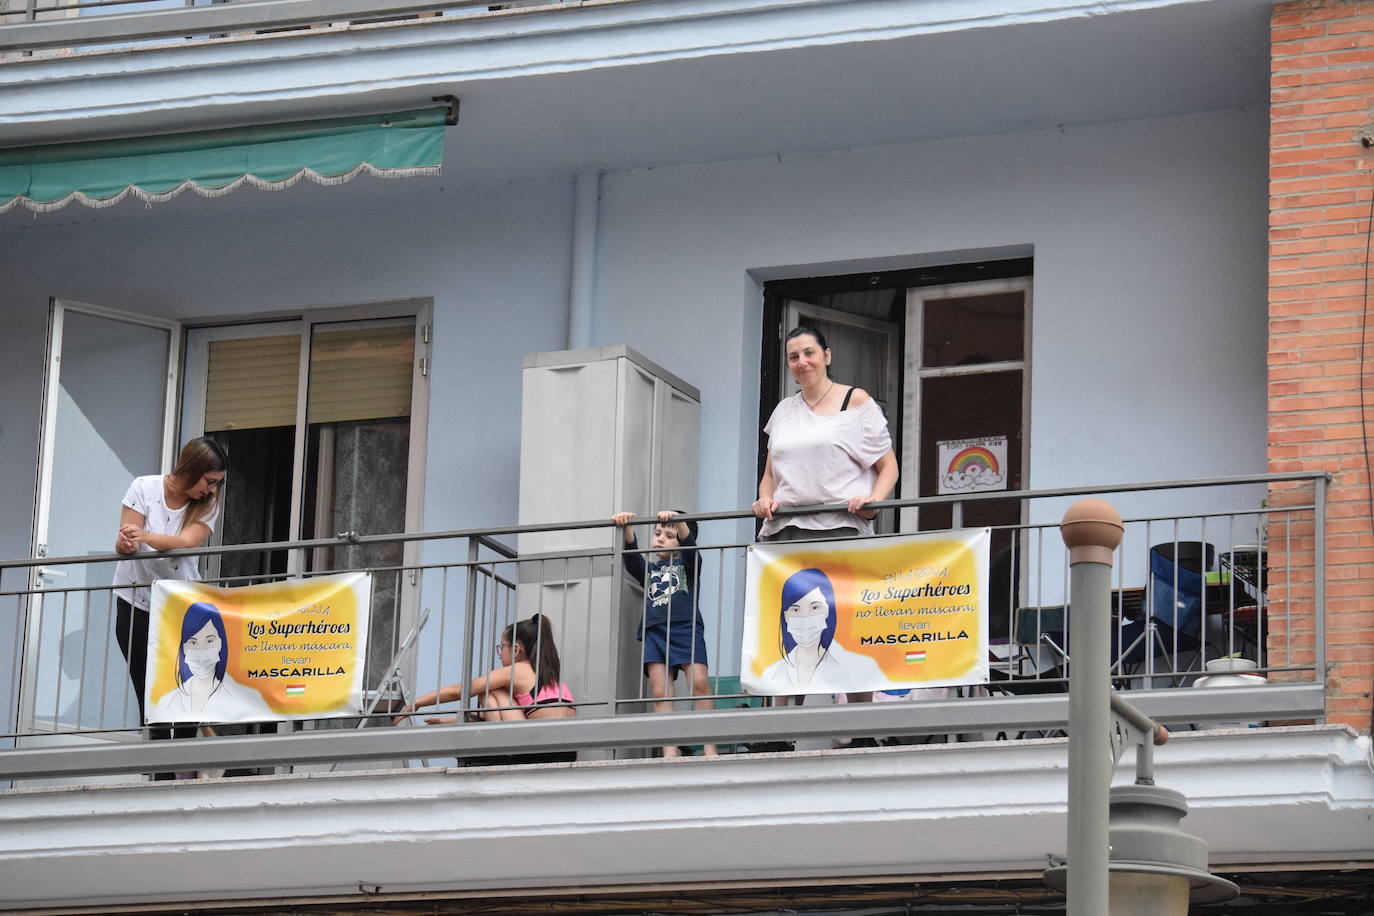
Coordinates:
(205, 691)
(812, 661)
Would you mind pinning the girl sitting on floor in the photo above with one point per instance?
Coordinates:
(527, 685)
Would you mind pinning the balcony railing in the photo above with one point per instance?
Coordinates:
(34, 25)
(1254, 555)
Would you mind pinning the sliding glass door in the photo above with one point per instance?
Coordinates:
(323, 418)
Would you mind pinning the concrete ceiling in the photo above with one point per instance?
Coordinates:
(1158, 62)
(540, 105)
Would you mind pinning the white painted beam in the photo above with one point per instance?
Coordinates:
(908, 811)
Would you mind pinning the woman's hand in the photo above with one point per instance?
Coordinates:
(766, 505)
(856, 506)
(440, 720)
(403, 715)
(127, 540)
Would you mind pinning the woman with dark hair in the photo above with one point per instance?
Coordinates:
(162, 512)
(205, 691)
(811, 659)
(827, 443)
(527, 685)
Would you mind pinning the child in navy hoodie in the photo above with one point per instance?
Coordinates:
(672, 630)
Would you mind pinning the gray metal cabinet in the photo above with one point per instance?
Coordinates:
(602, 430)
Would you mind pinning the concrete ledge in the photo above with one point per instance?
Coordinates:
(977, 808)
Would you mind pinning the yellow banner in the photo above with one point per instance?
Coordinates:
(280, 650)
(861, 615)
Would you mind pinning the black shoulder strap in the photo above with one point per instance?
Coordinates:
(847, 395)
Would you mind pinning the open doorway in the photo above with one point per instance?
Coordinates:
(945, 352)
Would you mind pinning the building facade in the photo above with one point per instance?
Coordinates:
(1153, 216)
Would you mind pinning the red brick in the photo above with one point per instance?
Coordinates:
(1324, 94)
(1326, 167)
(1293, 13)
(1316, 290)
(1296, 186)
(1357, 24)
(1334, 136)
(1336, 41)
(1352, 64)
(1349, 119)
(1356, 179)
(1286, 81)
(1328, 229)
(1307, 58)
(1310, 108)
(1301, 375)
(1337, 259)
(1319, 85)
(1303, 125)
(1329, 383)
(1358, 721)
(1295, 32)
(1298, 246)
(1315, 197)
(1329, 283)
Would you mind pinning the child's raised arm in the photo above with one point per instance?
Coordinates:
(681, 529)
(633, 562)
(623, 520)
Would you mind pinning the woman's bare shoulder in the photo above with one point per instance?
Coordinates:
(858, 396)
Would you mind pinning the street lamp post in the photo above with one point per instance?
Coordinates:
(1091, 529)
(1126, 853)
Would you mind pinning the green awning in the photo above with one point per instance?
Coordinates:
(214, 162)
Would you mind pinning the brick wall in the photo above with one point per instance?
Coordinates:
(1321, 179)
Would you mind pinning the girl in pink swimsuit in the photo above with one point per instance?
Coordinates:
(527, 685)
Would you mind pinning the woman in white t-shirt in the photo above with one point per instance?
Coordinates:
(827, 443)
(162, 512)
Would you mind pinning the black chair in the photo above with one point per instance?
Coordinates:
(1004, 587)
(1036, 630)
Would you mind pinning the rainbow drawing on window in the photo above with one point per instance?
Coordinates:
(973, 465)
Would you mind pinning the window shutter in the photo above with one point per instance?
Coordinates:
(251, 383)
(361, 373)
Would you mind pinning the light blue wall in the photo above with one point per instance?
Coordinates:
(1149, 301)
(1149, 315)
(495, 261)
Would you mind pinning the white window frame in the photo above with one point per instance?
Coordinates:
(193, 414)
(915, 373)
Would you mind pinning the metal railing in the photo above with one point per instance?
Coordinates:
(1245, 577)
(35, 25)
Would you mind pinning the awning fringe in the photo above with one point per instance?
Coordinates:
(191, 184)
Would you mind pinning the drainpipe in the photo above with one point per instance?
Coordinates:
(582, 294)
